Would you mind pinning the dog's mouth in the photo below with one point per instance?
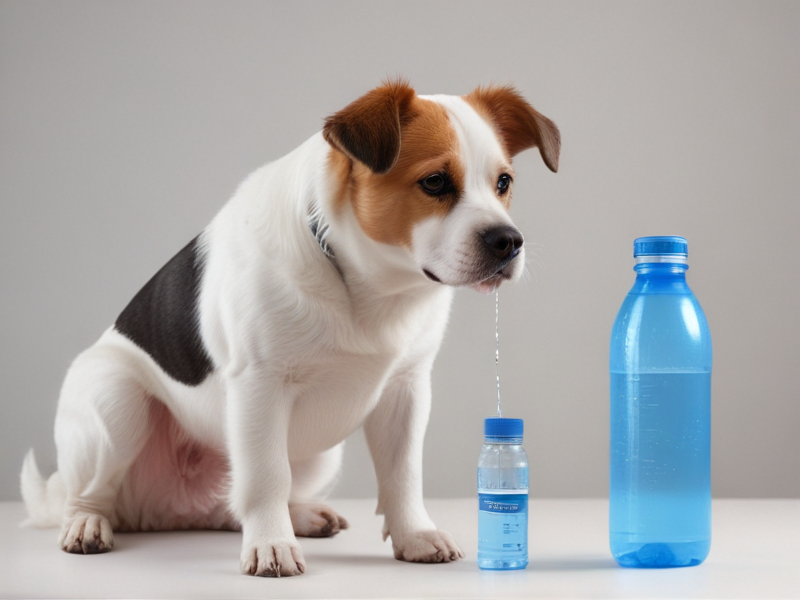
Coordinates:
(490, 284)
(431, 276)
(484, 286)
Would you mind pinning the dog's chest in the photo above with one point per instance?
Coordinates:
(338, 383)
(332, 399)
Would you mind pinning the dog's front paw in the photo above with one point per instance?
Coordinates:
(273, 559)
(86, 533)
(316, 520)
(431, 546)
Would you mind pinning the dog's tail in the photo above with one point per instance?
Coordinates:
(44, 499)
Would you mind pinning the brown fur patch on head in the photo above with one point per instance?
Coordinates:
(518, 124)
(389, 204)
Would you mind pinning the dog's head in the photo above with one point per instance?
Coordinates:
(433, 175)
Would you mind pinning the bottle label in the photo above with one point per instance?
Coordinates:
(503, 503)
(503, 523)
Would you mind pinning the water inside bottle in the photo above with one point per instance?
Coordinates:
(661, 497)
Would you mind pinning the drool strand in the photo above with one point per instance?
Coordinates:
(497, 347)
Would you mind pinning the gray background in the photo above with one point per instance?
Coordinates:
(125, 126)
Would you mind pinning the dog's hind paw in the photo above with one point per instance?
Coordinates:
(86, 533)
(431, 546)
(277, 559)
(316, 520)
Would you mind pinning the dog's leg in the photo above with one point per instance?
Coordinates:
(312, 480)
(101, 426)
(261, 479)
(395, 432)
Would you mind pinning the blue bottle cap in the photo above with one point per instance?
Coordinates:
(498, 427)
(661, 245)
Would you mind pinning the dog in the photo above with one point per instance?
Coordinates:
(314, 303)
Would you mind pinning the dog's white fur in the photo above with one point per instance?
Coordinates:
(305, 351)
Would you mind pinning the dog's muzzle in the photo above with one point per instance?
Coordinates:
(494, 251)
(501, 245)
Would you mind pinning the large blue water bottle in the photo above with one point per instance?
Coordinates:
(660, 492)
(503, 496)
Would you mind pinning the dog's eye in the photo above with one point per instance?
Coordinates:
(436, 184)
(503, 182)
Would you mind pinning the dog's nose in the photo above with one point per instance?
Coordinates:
(503, 241)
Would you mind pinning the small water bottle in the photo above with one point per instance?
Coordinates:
(503, 497)
(660, 367)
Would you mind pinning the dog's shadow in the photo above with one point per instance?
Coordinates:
(198, 539)
(351, 559)
(226, 544)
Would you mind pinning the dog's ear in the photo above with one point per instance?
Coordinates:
(520, 126)
(368, 130)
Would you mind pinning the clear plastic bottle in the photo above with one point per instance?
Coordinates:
(503, 497)
(660, 368)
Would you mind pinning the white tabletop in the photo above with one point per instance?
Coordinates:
(755, 553)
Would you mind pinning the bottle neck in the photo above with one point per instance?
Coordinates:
(508, 441)
(660, 278)
(643, 265)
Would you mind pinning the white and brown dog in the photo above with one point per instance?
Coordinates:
(314, 303)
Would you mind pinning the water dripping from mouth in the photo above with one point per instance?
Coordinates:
(497, 347)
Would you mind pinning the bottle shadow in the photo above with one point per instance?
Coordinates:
(589, 563)
(547, 565)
